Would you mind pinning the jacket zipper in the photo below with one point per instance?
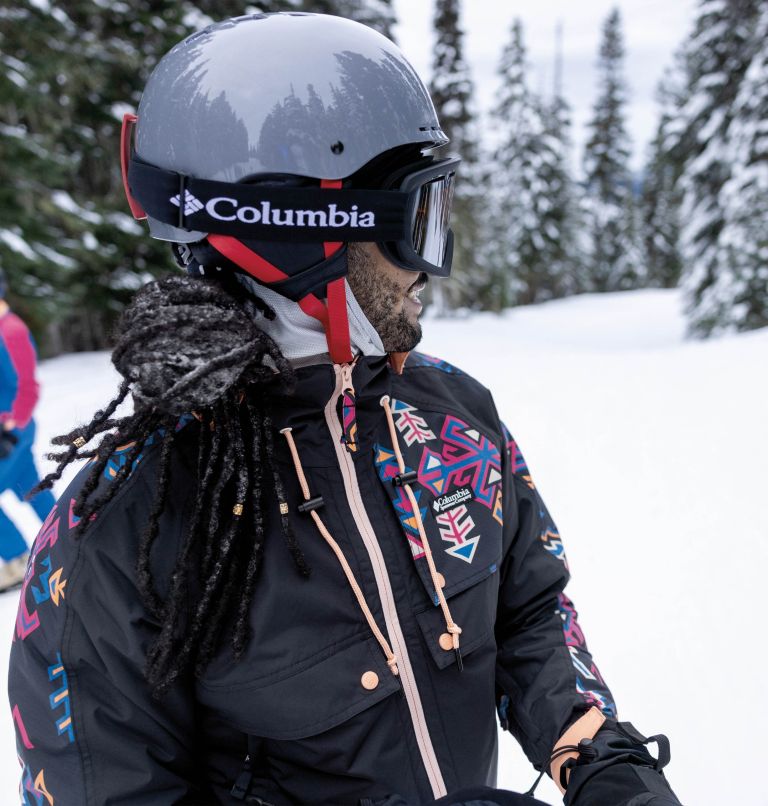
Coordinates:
(395, 633)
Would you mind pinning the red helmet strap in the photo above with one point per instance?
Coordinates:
(332, 316)
(337, 328)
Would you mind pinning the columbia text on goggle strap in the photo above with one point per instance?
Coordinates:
(416, 213)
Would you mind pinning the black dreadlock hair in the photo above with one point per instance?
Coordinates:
(189, 346)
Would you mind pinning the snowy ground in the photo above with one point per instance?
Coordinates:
(650, 451)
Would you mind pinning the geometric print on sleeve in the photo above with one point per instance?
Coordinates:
(589, 681)
(516, 458)
(119, 456)
(34, 792)
(553, 544)
(50, 586)
(59, 699)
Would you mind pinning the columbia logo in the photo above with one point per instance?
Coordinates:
(191, 203)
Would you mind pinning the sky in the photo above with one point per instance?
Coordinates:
(653, 29)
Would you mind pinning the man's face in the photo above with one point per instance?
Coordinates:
(388, 296)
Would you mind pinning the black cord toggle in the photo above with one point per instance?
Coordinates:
(405, 478)
(313, 503)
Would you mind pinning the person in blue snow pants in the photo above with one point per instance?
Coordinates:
(19, 393)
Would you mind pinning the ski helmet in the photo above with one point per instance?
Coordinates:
(269, 141)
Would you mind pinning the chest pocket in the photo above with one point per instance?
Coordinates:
(454, 471)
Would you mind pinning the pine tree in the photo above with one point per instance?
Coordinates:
(452, 91)
(72, 252)
(738, 297)
(32, 227)
(661, 199)
(716, 58)
(530, 237)
(613, 262)
(563, 213)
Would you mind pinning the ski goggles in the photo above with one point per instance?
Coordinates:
(409, 218)
(428, 246)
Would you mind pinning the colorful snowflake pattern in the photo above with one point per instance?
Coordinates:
(465, 458)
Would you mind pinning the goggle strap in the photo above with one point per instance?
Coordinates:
(261, 212)
(126, 140)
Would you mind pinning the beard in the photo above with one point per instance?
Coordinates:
(381, 300)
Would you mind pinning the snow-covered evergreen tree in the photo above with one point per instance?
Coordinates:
(530, 187)
(716, 58)
(661, 198)
(613, 262)
(67, 241)
(563, 215)
(452, 91)
(738, 296)
(33, 230)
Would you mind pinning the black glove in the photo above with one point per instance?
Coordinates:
(485, 796)
(8, 442)
(616, 769)
(474, 796)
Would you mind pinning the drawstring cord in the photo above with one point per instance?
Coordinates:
(308, 502)
(451, 627)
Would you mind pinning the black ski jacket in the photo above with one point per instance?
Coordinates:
(314, 704)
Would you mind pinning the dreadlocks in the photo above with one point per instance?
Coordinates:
(188, 347)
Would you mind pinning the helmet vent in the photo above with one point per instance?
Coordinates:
(337, 147)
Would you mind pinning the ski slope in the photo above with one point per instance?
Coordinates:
(650, 452)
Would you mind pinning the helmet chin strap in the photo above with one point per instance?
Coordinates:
(332, 313)
(337, 327)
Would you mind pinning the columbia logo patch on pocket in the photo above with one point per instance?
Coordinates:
(451, 500)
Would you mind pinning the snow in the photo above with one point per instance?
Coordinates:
(650, 452)
(65, 202)
(17, 243)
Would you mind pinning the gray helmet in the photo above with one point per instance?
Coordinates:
(302, 94)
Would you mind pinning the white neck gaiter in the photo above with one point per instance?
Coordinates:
(301, 338)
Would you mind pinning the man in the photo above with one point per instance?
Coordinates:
(18, 397)
(308, 568)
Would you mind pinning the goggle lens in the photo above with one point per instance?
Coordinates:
(431, 220)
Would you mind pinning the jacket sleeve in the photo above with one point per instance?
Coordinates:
(19, 360)
(89, 732)
(545, 676)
